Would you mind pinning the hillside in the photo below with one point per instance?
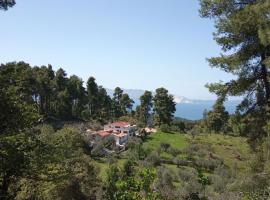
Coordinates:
(216, 155)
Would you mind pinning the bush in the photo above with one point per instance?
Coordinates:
(86, 115)
(209, 165)
(219, 184)
(164, 183)
(95, 126)
(165, 146)
(97, 151)
(187, 175)
(153, 159)
(178, 162)
(128, 168)
(165, 128)
(173, 151)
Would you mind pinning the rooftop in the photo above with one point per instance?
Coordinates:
(103, 133)
(119, 134)
(120, 123)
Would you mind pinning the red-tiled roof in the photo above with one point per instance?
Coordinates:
(120, 123)
(103, 133)
(119, 135)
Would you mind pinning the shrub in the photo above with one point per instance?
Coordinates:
(210, 165)
(173, 151)
(202, 153)
(111, 159)
(95, 126)
(153, 159)
(191, 189)
(164, 183)
(97, 150)
(164, 146)
(179, 162)
(223, 172)
(187, 175)
(218, 183)
(86, 115)
(165, 128)
(128, 168)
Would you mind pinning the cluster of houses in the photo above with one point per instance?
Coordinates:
(121, 132)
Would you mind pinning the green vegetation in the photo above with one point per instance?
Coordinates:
(143, 110)
(234, 151)
(242, 31)
(218, 157)
(164, 107)
(175, 140)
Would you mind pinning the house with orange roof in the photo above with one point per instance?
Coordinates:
(121, 131)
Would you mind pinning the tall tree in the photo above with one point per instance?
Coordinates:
(16, 103)
(17, 114)
(63, 104)
(78, 95)
(126, 104)
(146, 103)
(61, 79)
(243, 32)
(217, 119)
(44, 89)
(104, 104)
(117, 95)
(92, 94)
(164, 107)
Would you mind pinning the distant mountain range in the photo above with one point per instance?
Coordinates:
(185, 108)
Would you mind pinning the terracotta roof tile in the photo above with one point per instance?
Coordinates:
(120, 123)
(103, 133)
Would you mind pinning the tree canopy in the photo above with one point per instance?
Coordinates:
(5, 4)
(164, 107)
(242, 30)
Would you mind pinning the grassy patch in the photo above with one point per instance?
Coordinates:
(176, 140)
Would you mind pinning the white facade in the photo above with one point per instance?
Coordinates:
(121, 131)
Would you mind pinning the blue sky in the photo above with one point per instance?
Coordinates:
(135, 44)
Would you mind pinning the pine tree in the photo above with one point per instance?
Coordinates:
(104, 104)
(78, 96)
(126, 104)
(164, 107)
(217, 119)
(63, 104)
(243, 32)
(44, 89)
(17, 106)
(145, 107)
(117, 95)
(92, 95)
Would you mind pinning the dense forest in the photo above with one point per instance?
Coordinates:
(45, 114)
